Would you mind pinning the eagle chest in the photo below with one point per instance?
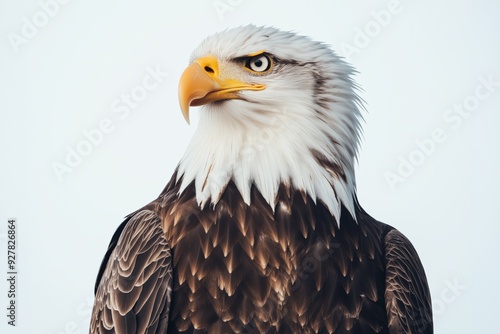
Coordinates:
(246, 269)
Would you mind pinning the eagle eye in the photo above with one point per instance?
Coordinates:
(260, 63)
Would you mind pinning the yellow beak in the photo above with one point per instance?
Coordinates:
(201, 83)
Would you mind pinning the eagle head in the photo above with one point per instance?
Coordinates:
(278, 109)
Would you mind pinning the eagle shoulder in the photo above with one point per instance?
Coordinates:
(407, 296)
(134, 284)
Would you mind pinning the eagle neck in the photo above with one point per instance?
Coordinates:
(281, 152)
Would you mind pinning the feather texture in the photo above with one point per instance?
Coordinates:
(133, 294)
(300, 272)
(407, 296)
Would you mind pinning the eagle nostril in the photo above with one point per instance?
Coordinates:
(209, 69)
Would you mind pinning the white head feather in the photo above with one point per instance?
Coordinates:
(302, 130)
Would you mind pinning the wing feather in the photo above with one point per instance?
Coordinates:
(134, 285)
(407, 296)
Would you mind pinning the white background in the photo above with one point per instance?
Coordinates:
(415, 65)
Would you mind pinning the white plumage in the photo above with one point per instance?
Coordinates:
(266, 138)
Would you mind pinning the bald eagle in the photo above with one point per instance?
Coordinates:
(259, 229)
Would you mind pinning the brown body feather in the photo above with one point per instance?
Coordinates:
(247, 269)
(133, 288)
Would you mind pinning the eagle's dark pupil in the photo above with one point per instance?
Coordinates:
(258, 63)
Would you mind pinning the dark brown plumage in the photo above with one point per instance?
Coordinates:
(245, 269)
